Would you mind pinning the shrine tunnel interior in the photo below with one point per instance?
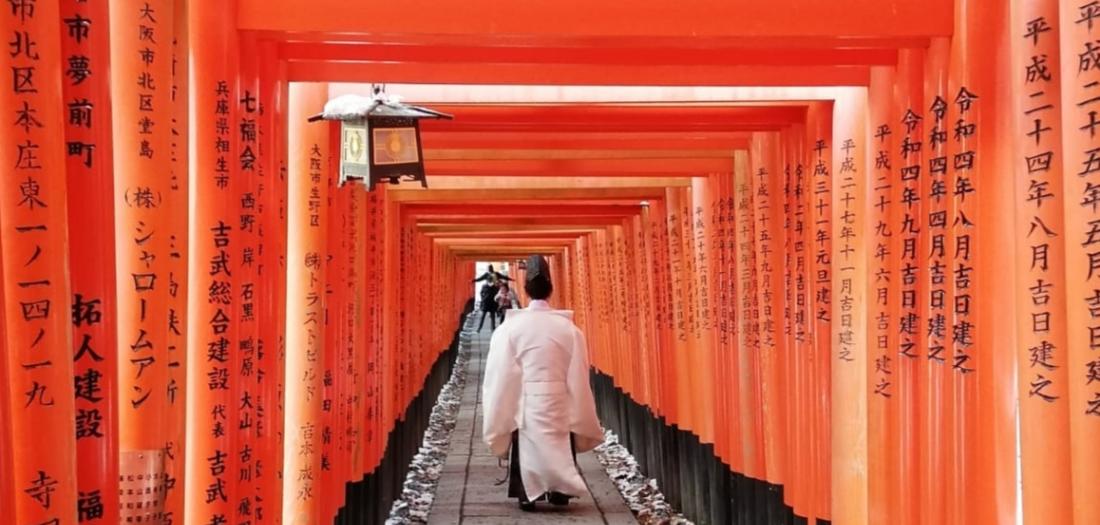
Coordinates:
(835, 261)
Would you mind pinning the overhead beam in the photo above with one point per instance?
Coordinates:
(574, 154)
(552, 223)
(640, 140)
(646, 55)
(573, 20)
(493, 229)
(579, 168)
(510, 194)
(479, 210)
(603, 118)
(575, 74)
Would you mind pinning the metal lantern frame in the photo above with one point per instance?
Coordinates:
(362, 132)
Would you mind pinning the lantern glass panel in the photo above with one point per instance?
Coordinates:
(395, 146)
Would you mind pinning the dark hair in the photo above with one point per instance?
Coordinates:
(538, 289)
(490, 267)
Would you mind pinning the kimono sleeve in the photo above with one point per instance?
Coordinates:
(501, 394)
(584, 423)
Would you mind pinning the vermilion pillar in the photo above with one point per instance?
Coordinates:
(215, 294)
(272, 200)
(882, 406)
(177, 210)
(819, 137)
(906, 226)
(306, 249)
(90, 183)
(748, 379)
(37, 328)
(1080, 74)
(849, 352)
(141, 70)
(1044, 378)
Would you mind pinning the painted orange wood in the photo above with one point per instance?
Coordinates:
(38, 334)
(307, 219)
(850, 300)
(1079, 70)
(90, 183)
(214, 267)
(178, 289)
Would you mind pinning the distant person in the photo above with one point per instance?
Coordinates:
(539, 407)
(506, 300)
(488, 306)
(494, 277)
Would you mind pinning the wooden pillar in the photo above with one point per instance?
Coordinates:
(214, 267)
(306, 248)
(819, 135)
(849, 257)
(178, 206)
(90, 184)
(907, 225)
(1044, 379)
(882, 406)
(1079, 25)
(768, 237)
(141, 69)
(271, 302)
(934, 311)
(748, 380)
(37, 330)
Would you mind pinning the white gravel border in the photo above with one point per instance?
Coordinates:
(427, 465)
(641, 493)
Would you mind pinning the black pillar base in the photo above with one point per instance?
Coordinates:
(368, 501)
(693, 479)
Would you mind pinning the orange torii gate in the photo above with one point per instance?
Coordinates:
(824, 301)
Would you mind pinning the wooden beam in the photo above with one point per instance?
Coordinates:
(533, 21)
(505, 194)
(643, 55)
(574, 74)
(579, 168)
(572, 154)
(643, 140)
(519, 210)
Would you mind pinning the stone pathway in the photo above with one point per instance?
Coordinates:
(468, 494)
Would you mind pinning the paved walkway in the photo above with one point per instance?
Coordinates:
(467, 494)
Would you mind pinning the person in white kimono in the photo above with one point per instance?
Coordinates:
(538, 402)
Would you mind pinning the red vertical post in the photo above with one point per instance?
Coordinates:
(34, 232)
(178, 205)
(882, 407)
(748, 380)
(307, 216)
(1041, 293)
(906, 225)
(141, 69)
(849, 355)
(254, 279)
(214, 267)
(1079, 24)
(90, 183)
(932, 287)
(819, 195)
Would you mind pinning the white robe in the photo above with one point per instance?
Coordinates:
(536, 381)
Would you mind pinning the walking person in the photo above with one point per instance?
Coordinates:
(506, 300)
(539, 407)
(488, 306)
(489, 292)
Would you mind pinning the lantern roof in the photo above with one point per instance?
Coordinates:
(359, 107)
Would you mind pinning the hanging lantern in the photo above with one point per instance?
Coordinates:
(379, 138)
